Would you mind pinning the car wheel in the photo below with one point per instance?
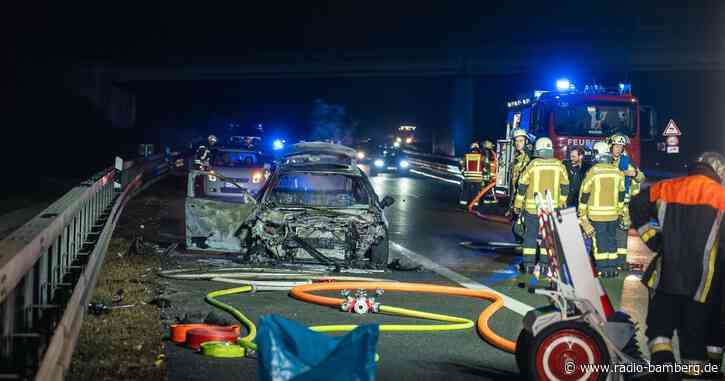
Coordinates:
(379, 253)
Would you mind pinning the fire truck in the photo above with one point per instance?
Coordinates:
(570, 116)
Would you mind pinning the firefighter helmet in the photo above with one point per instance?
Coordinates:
(212, 139)
(519, 132)
(713, 160)
(475, 145)
(619, 139)
(602, 154)
(544, 147)
(487, 144)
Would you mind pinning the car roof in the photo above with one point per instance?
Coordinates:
(320, 148)
(321, 168)
(233, 149)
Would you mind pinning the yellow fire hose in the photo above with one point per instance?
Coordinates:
(227, 350)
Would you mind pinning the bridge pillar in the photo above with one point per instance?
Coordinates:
(117, 104)
(461, 115)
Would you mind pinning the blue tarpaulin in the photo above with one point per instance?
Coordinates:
(289, 351)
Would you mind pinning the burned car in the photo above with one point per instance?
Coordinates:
(317, 205)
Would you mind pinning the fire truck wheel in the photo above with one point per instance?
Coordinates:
(560, 352)
(523, 349)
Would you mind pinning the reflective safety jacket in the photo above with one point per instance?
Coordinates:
(472, 167)
(538, 176)
(489, 165)
(602, 193)
(521, 160)
(681, 220)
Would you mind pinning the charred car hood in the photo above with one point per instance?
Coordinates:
(343, 234)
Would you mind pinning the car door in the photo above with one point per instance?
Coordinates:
(214, 223)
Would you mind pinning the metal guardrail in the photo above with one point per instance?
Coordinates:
(442, 167)
(49, 267)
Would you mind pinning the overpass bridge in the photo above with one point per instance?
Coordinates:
(109, 85)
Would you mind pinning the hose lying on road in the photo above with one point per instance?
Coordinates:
(304, 293)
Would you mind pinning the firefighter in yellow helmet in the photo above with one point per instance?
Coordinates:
(601, 208)
(543, 173)
(489, 170)
(633, 177)
(472, 170)
(520, 160)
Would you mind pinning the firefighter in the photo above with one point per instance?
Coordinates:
(472, 167)
(204, 153)
(489, 170)
(543, 173)
(684, 277)
(632, 175)
(520, 160)
(601, 208)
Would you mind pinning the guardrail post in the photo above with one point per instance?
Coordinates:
(8, 315)
(43, 267)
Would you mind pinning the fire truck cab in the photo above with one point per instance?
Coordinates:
(573, 117)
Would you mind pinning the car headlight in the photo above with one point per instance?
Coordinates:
(360, 155)
(379, 163)
(257, 177)
(212, 178)
(408, 140)
(404, 164)
(396, 144)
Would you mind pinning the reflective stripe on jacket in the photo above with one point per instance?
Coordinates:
(538, 177)
(602, 193)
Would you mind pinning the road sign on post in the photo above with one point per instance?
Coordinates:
(673, 141)
(675, 149)
(672, 129)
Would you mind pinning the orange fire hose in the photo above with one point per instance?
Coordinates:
(480, 194)
(304, 293)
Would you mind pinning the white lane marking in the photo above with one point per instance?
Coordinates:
(510, 303)
(436, 177)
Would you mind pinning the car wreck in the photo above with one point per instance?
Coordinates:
(316, 206)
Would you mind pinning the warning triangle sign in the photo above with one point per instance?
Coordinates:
(672, 129)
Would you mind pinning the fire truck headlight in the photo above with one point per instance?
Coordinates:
(404, 164)
(563, 84)
(408, 140)
(379, 163)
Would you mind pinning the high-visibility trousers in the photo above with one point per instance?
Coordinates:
(530, 245)
(604, 244)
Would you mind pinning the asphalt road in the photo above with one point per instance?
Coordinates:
(427, 226)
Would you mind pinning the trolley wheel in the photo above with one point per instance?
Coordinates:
(559, 351)
(523, 349)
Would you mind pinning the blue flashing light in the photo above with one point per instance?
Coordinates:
(625, 88)
(278, 144)
(538, 93)
(563, 84)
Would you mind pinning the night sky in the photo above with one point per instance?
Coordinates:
(47, 41)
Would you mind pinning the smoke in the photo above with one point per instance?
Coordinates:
(331, 122)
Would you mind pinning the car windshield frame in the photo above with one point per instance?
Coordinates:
(602, 112)
(216, 160)
(360, 180)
